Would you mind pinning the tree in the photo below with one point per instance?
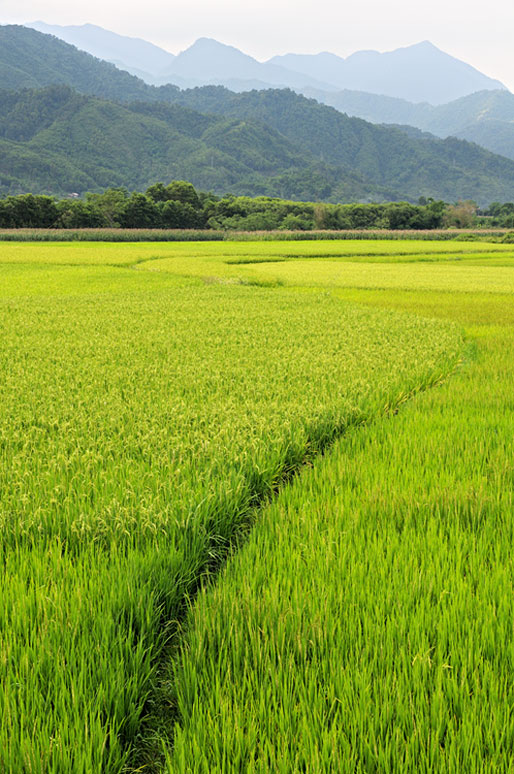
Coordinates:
(140, 212)
(157, 192)
(460, 215)
(111, 204)
(78, 214)
(175, 214)
(181, 191)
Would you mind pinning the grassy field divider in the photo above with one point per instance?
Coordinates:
(213, 235)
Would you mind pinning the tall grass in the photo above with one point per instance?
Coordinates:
(200, 235)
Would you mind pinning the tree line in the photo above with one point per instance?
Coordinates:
(178, 205)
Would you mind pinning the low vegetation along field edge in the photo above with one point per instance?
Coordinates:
(204, 235)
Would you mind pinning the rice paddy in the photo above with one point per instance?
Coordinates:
(157, 399)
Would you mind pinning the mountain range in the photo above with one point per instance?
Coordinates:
(419, 85)
(421, 73)
(105, 127)
(57, 141)
(135, 55)
(418, 73)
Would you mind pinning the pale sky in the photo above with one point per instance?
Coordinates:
(480, 33)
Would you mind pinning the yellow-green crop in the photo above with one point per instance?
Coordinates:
(367, 625)
(145, 414)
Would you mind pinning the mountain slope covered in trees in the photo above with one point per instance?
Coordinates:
(417, 166)
(272, 143)
(58, 141)
(486, 117)
(135, 55)
(31, 59)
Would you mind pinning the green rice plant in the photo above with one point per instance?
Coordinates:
(143, 254)
(366, 626)
(145, 416)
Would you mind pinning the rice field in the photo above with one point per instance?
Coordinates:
(163, 401)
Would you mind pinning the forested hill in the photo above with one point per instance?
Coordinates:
(58, 141)
(485, 117)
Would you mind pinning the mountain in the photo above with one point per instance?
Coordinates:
(419, 73)
(498, 136)
(205, 62)
(486, 117)
(31, 59)
(210, 62)
(136, 56)
(375, 108)
(58, 141)
(416, 166)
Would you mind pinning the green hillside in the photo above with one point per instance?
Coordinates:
(494, 134)
(57, 141)
(486, 117)
(29, 59)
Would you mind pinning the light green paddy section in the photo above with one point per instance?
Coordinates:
(84, 268)
(119, 254)
(412, 276)
(329, 273)
(385, 265)
(55, 280)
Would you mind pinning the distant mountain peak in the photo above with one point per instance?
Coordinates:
(212, 46)
(420, 72)
(207, 61)
(424, 44)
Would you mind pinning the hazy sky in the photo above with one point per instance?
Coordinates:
(479, 32)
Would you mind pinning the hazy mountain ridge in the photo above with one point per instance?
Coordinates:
(31, 59)
(210, 62)
(418, 73)
(132, 54)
